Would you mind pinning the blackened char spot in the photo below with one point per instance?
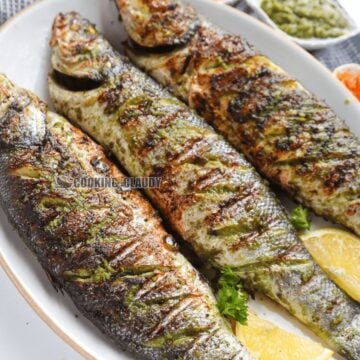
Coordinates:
(235, 107)
(99, 165)
(111, 98)
(186, 64)
(172, 6)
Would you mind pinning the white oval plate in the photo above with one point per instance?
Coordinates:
(25, 59)
(313, 43)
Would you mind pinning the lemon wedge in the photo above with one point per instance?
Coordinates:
(268, 342)
(337, 252)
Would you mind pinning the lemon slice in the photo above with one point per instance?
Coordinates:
(338, 253)
(268, 342)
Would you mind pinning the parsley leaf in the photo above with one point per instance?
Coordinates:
(232, 299)
(300, 218)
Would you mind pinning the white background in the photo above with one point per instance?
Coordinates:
(23, 335)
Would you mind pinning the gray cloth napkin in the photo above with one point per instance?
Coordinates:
(343, 53)
(9, 8)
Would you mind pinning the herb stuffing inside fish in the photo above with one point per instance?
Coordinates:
(293, 138)
(209, 193)
(104, 246)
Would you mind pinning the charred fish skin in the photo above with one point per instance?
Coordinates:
(105, 247)
(209, 193)
(293, 139)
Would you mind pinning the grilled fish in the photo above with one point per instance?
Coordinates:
(209, 193)
(293, 139)
(105, 247)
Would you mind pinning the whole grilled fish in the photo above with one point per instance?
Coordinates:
(209, 193)
(294, 139)
(105, 247)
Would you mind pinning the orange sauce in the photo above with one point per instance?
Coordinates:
(351, 80)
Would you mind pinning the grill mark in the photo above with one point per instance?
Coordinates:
(259, 265)
(206, 180)
(202, 338)
(127, 250)
(187, 156)
(149, 285)
(190, 151)
(247, 238)
(180, 202)
(111, 249)
(174, 203)
(168, 299)
(213, 218)
(176, 310)
(150, 143)
(250, 103)
(163, 122)
(131, 111)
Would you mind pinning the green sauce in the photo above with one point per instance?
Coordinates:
(307, 18)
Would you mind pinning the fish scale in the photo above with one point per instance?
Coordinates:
(105, 248)
(209, 193)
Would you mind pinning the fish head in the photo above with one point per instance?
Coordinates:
(79, 51)
(22, 116)
(84, 65)
(158, 24)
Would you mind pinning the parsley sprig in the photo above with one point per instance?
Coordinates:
(232, 299)
(300, 218)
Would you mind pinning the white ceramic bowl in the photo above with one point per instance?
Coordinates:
(313, 43)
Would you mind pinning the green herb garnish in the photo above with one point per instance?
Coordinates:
(232, 299)
(300, 218)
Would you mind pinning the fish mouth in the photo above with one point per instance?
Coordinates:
(163, 48)
(73, 83)
(159, 49)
